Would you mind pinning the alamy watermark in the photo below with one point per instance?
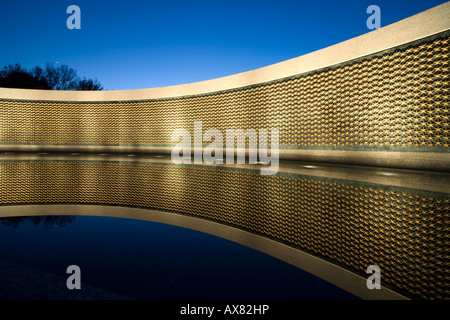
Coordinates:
(373, 281)
(258, 148)
(73, 281)
(74, 20)
(374, 21)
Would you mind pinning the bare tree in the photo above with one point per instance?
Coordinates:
(52, 77)
(15, 76)
(61, 77)
(89, 84)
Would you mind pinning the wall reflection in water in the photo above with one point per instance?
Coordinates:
(351, 216)
(46, 221)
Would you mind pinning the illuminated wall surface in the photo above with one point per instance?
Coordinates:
(394, 101)
(388, 108)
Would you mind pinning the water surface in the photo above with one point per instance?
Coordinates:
(132, 259)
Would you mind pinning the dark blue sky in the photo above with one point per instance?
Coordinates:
(144, 44)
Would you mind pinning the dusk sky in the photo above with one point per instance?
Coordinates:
(144, 44)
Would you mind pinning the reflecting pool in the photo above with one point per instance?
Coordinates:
(132, 259)
(134, 228)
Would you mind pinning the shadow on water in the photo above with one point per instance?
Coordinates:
(46, 221)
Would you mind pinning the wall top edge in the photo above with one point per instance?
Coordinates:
(419, 26)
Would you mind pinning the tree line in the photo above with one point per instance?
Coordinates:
(51, 77)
